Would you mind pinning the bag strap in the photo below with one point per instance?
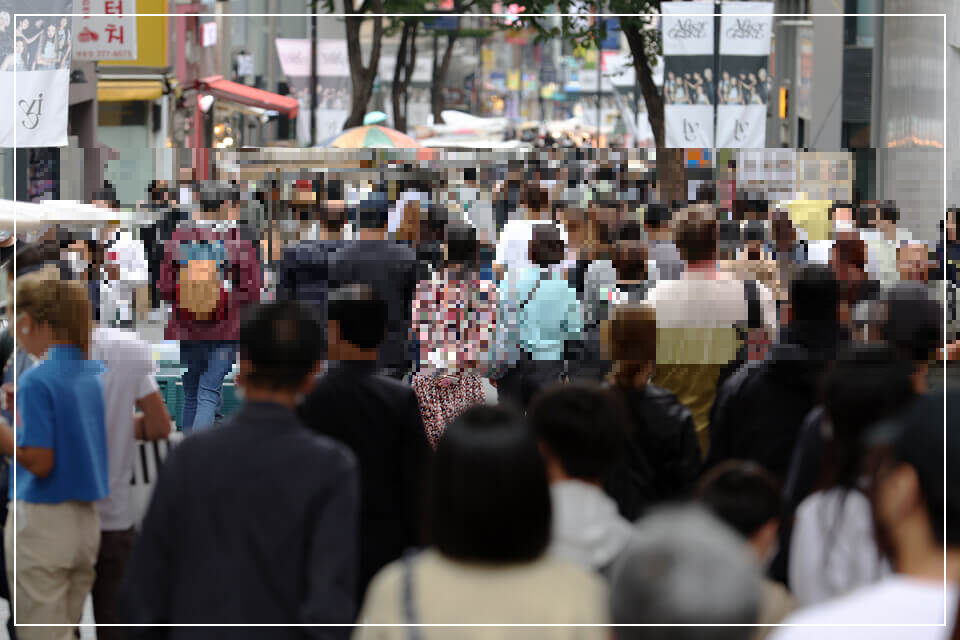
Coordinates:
(754, 311)
(409, 599)
(531, 294)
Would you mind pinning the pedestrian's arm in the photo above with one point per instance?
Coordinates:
(153, 421)
(167, 278)
(332, 559)
(246, 288)
(34, 452)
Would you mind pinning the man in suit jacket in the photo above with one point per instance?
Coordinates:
(254, 521)
(379, 419)
(387, 266)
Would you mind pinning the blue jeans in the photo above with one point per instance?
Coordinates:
(207, 364)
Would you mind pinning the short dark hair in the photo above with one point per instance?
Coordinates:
(913, 321)
(34, 256)
(487, 493)
(696, 236)
(282, 341)
(706, 193)
(372, 212)
(840, 204)
(361, 314)
(461, 240)
(107, 193)
(657, 216)
(546, 246)
(630, 259)
(631, 230)
(889, 211)
(743, 494)
(583, 425)
(814, 297)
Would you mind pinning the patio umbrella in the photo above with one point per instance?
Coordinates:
(371, 136)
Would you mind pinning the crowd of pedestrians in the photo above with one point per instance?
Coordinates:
(561, 402)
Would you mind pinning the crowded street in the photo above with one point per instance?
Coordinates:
(481, 321)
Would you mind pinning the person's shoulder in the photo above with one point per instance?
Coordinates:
(579, 584)
(113, 345)
(336, 458)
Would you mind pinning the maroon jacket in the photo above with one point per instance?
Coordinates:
(242, 271)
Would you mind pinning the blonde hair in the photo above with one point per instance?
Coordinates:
(62, 304)
(631, 339)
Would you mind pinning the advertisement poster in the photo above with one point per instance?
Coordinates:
(333, 84)
(688, 83)
(109, 37)
(35, 74)
(743, 88)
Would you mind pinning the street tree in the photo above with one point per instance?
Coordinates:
(441, 62)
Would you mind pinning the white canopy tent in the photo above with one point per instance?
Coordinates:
(30, 216)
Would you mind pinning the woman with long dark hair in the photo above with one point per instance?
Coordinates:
(488, 519)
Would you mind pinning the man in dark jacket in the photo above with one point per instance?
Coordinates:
(760, 409)
(255, 521)
(387, 266)
(379, 419)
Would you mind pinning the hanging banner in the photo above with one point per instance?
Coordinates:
(744, 86)
(333, 84)
(112, 36)
(35, 73)
(688, 82)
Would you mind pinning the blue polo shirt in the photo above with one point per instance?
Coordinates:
(61, 407)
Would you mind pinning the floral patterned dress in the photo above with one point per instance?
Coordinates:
(454, 324)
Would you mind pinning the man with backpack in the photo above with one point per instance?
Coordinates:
(703, 318)
(211, 276)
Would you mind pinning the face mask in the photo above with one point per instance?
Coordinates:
(843, 225)
(78, 265)
(288, 225)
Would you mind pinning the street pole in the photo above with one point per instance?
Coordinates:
(313, 73)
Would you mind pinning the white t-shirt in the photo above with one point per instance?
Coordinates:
(513, 249)
(128, 378)
(833, 550)
(895, 600)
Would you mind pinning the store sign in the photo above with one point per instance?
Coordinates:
(111, 35)
(35, 75)
(332, 59)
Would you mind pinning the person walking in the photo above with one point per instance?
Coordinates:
(254, 521)
(60, 446)
(211, 276)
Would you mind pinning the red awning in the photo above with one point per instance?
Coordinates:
(250, 96)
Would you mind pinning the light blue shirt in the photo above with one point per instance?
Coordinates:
(61, 407)
(550, 317)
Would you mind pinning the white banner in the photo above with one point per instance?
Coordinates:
(688, 126)
(35, 74)
(743, 90)
(742, 127)
(748, 31)
(332, 60)
(687, 28)
(110, 37)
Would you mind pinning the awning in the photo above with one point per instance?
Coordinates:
(129, 90)
(250, 96)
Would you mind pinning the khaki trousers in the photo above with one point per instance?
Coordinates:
(56, 553)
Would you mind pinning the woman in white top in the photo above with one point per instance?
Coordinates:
(833, 549)
(488, 517)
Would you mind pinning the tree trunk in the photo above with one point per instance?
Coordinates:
(361, 77)
(671, 171)
(651, 95)
(403, 73)
(439, 79)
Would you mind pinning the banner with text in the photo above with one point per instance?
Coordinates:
(333, 84)
(111, 36)
(35, 53)
(688, 82)
(744, 87)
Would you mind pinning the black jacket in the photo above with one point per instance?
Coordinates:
(254, 521)
(379, 419)
(759, 411)
(661, 461)
(391, 269)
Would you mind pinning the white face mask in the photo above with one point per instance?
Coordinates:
(77, 264)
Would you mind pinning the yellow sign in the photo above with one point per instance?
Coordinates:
(513, 81)
(151, 37)
(489, 58)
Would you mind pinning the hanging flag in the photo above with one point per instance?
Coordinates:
(744, 86)
(688, 83)
(35, 73)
